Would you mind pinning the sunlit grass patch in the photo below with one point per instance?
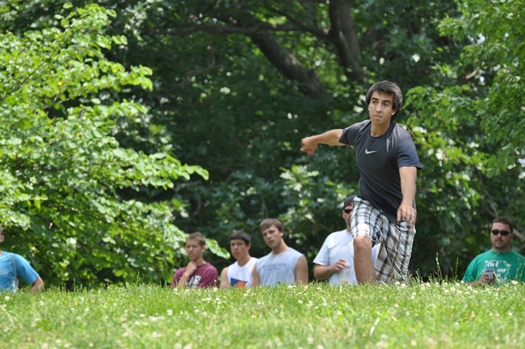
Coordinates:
(433, 315)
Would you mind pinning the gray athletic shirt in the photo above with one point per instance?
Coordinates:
(275, 268)
(379, 160)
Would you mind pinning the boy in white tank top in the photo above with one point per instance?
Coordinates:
(239, 274)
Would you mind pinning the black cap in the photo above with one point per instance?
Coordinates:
(348, 201)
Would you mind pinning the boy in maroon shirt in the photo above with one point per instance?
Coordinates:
(198, 273)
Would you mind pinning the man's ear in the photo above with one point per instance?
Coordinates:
(2, 238)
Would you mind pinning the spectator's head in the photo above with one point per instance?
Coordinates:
(195, 246)
(272, 231)
(390, 88)
(1, 234)
(348, 206)
(501, 234)
(240, 243)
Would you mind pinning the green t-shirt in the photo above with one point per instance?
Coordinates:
(507, 266)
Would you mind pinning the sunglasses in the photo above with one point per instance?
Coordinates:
(347, 210)
(502, 232)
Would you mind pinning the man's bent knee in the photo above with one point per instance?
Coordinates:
(362, 243)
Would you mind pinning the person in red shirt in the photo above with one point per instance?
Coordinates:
(198, 272)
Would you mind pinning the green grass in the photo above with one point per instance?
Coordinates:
(436, 315)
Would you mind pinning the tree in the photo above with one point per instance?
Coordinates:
(471, 126)
(64, 175)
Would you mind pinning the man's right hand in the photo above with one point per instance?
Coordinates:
(339, 266)
(487, 278)
(190, 269)
(309, 145)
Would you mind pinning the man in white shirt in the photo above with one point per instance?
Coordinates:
(239, 274)
(335, 260)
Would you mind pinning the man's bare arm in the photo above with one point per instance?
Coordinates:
(301, 271)
(224, 278)
(256, 280)
(37, 286)
(406, 211)
(323, 272)
(309, 144)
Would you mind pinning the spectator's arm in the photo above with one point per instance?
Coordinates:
(37, 286)
(256, 280)
(301, 271)
(224, 278)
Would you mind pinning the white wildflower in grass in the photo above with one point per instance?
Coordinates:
(156, 335)
(396, 306)
(178, 346)
(91, 345)
(397, 283)
(309, 340)
(142, 315)
(509, 313)
(413, 343)
(153, 319)
(514, 282)
(187, 346)
(7, 298)
(204, 313)
(447, 291)
(137, 323)
(170, 312)
(300, 301)
(197, 311)
(320, 346)
(290, 287)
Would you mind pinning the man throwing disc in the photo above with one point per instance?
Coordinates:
(384, 212)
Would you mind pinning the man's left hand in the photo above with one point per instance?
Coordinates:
(406, 213)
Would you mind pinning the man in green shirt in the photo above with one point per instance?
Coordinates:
(500, 264)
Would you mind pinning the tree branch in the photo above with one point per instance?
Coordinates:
(342, 34)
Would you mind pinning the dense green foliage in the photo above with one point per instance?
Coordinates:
(437, 315)
(232, 87)
(64, 177)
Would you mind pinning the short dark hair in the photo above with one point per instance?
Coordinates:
(390, 88)
(348, 201)
(505, 220)
(241, 235)
(197, 236)
(268, 222)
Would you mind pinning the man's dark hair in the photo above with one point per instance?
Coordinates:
(241, 235)
(268, 222)
(390, 88)
(197, 236)
(505, 220)
(348, 201)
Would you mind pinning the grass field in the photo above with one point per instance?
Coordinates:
(422, 315)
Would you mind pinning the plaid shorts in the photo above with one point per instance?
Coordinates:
(396, 240)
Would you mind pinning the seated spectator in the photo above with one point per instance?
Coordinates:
(335, 260)
(500, 264)
(198, 273)
(283, 264)
(239, 274)
(13, 267)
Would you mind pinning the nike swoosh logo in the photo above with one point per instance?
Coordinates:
(369, 152)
